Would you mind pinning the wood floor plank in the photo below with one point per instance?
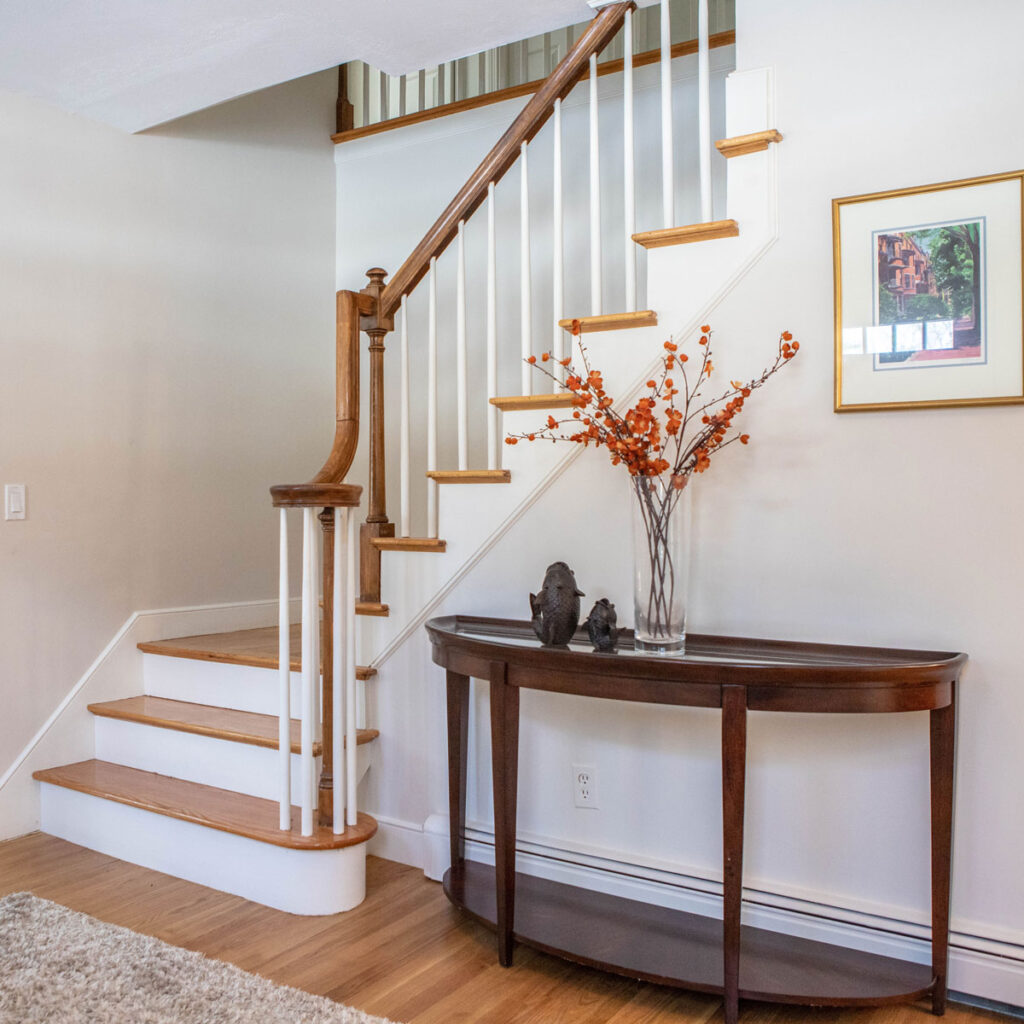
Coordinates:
(405, 953)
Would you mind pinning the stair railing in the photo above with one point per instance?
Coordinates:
(373, 311)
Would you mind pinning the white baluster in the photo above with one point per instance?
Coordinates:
(525, 296)
(595, 195)
(704, 111)
(493, 457)
(351, 816)
(667, 172)
(339, 668)
(432, 398)
(404, 426)
(310, 611)
(460, 354)
(558, 254)
(629, 160)
(284, 658)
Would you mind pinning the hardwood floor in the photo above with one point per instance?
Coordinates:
(405, 953)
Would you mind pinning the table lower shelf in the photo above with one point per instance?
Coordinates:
(671, 947)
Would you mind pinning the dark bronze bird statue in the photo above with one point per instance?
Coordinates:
(601, 626)
(556, 609)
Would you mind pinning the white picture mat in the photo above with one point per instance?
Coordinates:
(1002, 376)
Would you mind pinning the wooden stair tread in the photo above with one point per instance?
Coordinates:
(372, 608)
(687, 233)
(221, 809)
(740, 145)
(256, 648)
(470, 476)
(408, 544)
(205, 720)
(516, 403)
(612, 321)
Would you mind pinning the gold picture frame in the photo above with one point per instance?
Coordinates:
(932, 278)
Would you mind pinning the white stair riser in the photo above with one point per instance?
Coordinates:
(239, 687)
(224, 764)
(308, 882)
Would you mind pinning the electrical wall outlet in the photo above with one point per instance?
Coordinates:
(584, 785)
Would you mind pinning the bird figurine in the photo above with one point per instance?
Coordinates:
(601, 626)
(556, 609)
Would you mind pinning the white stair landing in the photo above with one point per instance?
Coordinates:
(221, 839)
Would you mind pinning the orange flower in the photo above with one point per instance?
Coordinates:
(552, 422)
(544, 358)
(705, 329)
(511, 440)
(531, 359)
(671, 346)
(786, 336)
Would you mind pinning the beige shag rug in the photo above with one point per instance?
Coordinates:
(61, 967)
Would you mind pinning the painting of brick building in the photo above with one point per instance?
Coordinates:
(929, 292)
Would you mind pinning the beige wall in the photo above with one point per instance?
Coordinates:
(166, 353)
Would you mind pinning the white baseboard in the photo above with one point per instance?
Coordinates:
(979, 966)
(67, 735)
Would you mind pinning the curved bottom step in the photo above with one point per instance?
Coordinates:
(217, 838)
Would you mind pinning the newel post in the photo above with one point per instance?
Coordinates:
(377, 327)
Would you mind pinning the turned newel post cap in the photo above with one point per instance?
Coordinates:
(377, 275)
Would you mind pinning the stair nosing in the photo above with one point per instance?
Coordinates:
(363, 672)
(323, 838)
(104, 709)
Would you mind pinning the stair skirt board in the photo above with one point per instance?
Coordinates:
(306, 882)
(222, 764)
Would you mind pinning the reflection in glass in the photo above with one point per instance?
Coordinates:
(909, 337)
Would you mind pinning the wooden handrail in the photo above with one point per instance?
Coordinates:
(531, 119)
(351, 305)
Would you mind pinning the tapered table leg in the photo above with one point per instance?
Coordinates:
(734, 755)
(505, 770)
(943, 734)
(458, 735)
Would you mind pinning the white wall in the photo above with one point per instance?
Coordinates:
(166, 354)
(885, 528)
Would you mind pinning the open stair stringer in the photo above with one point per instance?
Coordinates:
(685, 284)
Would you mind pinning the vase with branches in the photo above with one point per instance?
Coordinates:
(669, 434)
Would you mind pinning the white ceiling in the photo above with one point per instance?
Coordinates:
(139, 63)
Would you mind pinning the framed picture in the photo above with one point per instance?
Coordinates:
(929, 299)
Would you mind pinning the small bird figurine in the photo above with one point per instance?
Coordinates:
(556, 609)
(601, 628)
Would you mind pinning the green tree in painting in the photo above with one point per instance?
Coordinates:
(956, 260)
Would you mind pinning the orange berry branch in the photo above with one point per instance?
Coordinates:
(672, 430)
(660, 433)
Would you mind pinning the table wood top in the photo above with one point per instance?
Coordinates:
(774, 671)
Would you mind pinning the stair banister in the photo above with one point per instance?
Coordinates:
(321, 722)
(505, 153)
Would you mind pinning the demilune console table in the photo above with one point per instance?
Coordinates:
(672, 947)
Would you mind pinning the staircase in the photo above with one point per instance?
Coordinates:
(206, 775)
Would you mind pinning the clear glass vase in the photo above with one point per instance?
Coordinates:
(661, 564)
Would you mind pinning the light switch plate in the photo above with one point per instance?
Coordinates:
(14, 501)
